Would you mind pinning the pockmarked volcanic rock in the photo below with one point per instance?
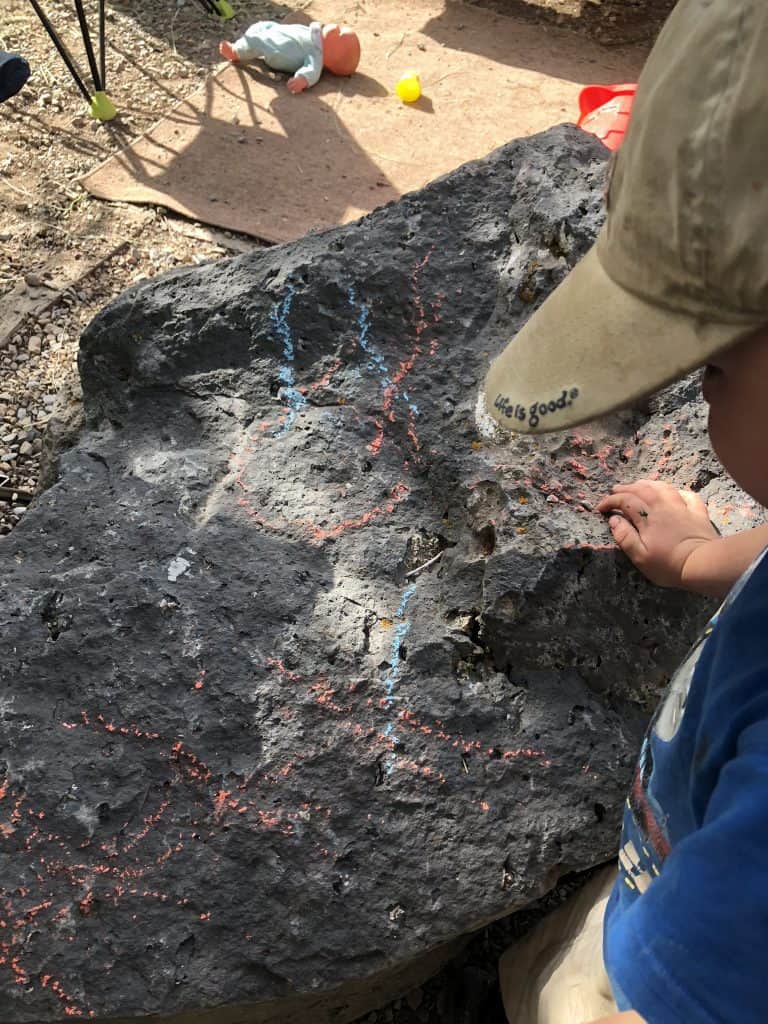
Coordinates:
(301, 677)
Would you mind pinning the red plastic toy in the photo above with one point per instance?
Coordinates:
(604, 111)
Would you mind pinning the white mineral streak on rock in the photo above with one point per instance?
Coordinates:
(487, 427)
(177, 568)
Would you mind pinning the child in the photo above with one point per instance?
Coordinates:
(303, 50)
(678, 278)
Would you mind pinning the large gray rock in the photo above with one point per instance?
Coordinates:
(301, 679)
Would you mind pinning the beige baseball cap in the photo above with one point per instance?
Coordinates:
(680, 268)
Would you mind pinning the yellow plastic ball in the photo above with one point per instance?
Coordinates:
(409, 87)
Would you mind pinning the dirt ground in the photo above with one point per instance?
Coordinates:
(51, 228)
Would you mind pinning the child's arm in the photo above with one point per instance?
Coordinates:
(667, 535)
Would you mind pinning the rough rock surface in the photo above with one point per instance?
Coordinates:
(300, 677)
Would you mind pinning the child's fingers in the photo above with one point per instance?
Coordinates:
(615, 501)
(646, 495)
(625, 487)
(629, 504)
(645, 481)
(628, 539)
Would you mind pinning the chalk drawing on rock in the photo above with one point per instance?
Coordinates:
(341, 511)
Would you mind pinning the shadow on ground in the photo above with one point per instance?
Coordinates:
(187, 29)
(611, 22)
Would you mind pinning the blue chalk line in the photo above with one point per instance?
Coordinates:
(376, 362)
(288, 393)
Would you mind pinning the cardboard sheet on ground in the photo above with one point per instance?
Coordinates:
(243, 153)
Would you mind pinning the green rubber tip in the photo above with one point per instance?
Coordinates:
(225, 9)
(102, 107)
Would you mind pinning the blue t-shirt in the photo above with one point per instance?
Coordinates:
(686, 927)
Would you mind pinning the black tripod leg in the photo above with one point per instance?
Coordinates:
(88, 45)
(102, 45)
(63, 52)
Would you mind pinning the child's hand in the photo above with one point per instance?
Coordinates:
(297, 84)
(658, 528)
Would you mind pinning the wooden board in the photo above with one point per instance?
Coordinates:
(37, 292)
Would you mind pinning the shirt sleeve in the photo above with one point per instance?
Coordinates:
(312, 68)
(692, 948)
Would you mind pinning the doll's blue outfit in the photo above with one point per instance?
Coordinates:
(297, 49)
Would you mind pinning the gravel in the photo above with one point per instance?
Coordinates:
(47, 141)
(31, 367)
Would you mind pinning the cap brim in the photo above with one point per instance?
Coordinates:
(593, 347)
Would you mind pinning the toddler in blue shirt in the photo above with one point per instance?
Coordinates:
(678, 279)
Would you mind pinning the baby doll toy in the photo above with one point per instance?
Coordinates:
(303, 50)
